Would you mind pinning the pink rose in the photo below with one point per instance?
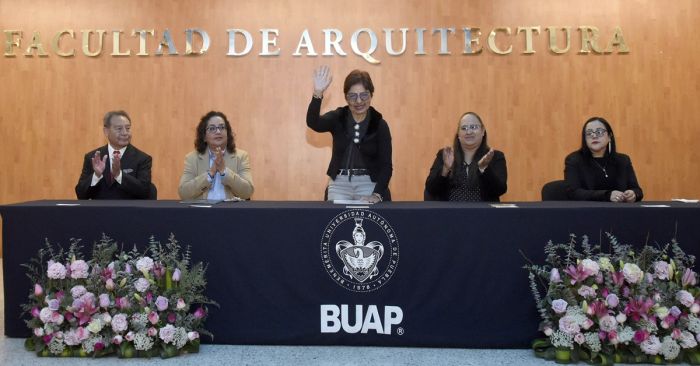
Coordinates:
(35, 312)
(162, 303)
(153, 317)
(99, 346)
(180, 304)
(199, 313)
(104, 300)
(54, 304)
(117, 339)
(176, 275)
(39, 332)
(559, 306)
(586, 291)
(129, 336)
(119, 323)
(685, 298)
(172, 318)
(689, 278)
(675, 311)
(152, 332)
(587, 324)
(579, 338)
(109, 284)
(192, 336)
(38, 291)
(568, 325)
(158, 270)
(612, 300)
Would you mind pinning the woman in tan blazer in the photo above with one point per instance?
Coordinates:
(216, 169)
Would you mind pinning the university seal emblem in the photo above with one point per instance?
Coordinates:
(369, 259)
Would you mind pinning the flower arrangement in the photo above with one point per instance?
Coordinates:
(624, 305)
(117, 302)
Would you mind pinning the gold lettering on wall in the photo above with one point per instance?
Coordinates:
(528, 37)
(86, 42)
(589, 39)
(492, 41)
(471, 37)
(617, 41)
(56, 43)
(168, 43)
(364, 42)
(142, 39)
(11, 42)
(116, 40)
(205, 42)
(553, 39)
(36, 44)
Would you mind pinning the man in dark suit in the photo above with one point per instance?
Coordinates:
(117, 170)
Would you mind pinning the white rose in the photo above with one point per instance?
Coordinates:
(632, 273)
(590, 266)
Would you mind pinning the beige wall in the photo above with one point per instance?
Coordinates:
(533, 105)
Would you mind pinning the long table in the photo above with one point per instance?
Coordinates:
(431, 274)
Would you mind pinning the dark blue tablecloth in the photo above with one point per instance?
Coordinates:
(450, 276)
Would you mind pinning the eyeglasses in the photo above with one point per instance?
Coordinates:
(472, 128)
(596, 133)
(351, 97)
(213, 129)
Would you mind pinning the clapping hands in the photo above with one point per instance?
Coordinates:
(219, 164)
(99, 164)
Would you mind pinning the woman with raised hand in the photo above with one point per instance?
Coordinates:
(360, 166)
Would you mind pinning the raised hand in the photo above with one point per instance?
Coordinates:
(322, 79)
(98, 164)
(448, 158)
(486, 160)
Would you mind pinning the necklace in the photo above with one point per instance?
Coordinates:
(602, 167)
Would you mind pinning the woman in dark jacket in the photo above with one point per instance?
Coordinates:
(597, 172)
(469, 170)
(360, 166)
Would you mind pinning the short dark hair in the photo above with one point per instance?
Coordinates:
(199, 142)
(107, 120)
(584, 147)
(358, 77)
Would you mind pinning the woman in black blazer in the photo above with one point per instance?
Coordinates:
(469, 170)
(360, 166)
(597, 172)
